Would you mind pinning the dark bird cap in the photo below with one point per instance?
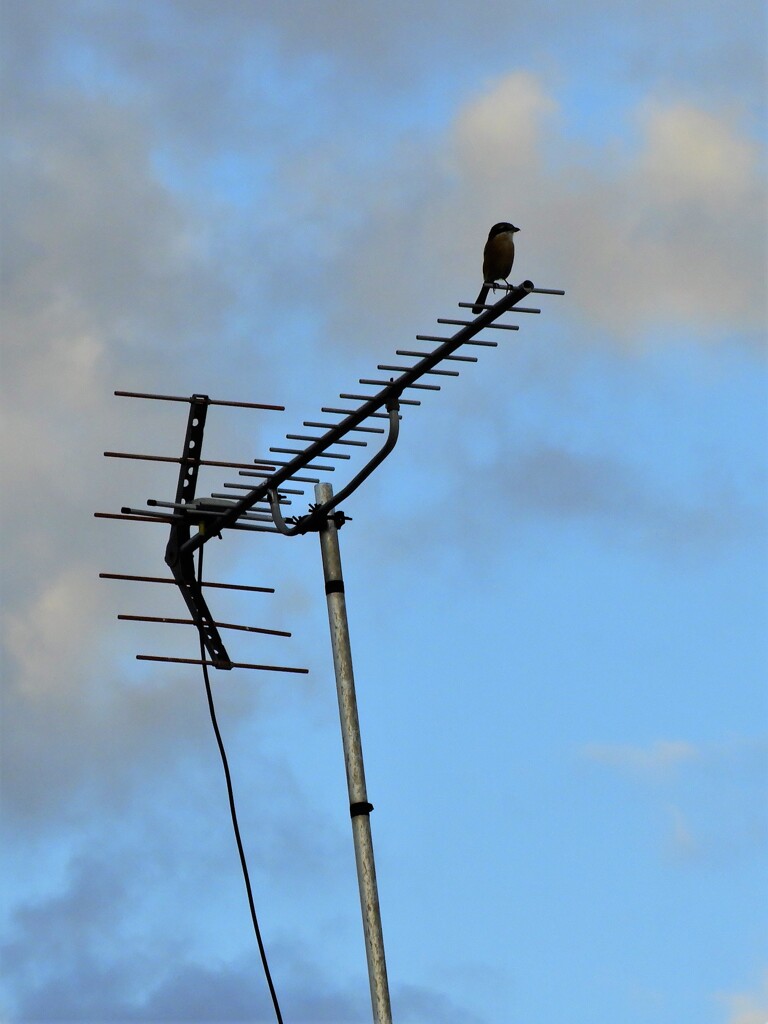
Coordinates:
(502, 226)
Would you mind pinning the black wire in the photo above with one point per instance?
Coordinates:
(233, 812)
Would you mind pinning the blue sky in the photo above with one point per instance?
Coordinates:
(557, 583)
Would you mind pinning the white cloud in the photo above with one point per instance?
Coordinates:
(499, 134)
(45, 640)
(691, 155)
(665, 231)
(746, 1007)
(659, 758)
(709, 795)
(681, 843)
(673, 231)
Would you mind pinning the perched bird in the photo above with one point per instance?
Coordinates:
(498, 257)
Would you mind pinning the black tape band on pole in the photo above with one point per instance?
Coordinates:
(360, 808)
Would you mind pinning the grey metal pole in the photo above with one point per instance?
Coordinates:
(353, 758)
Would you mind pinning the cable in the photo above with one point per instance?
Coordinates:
(233, 813)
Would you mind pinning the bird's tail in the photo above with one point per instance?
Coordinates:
(480, 300)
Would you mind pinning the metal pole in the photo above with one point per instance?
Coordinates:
(353, 758)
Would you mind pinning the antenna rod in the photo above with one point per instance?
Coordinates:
(359, 807)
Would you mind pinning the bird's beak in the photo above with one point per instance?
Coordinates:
(516, 229)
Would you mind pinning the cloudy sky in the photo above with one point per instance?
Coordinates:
(557, 584)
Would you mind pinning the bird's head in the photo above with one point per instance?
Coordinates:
(501, 227)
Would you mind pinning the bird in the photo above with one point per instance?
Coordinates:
(498, 257)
